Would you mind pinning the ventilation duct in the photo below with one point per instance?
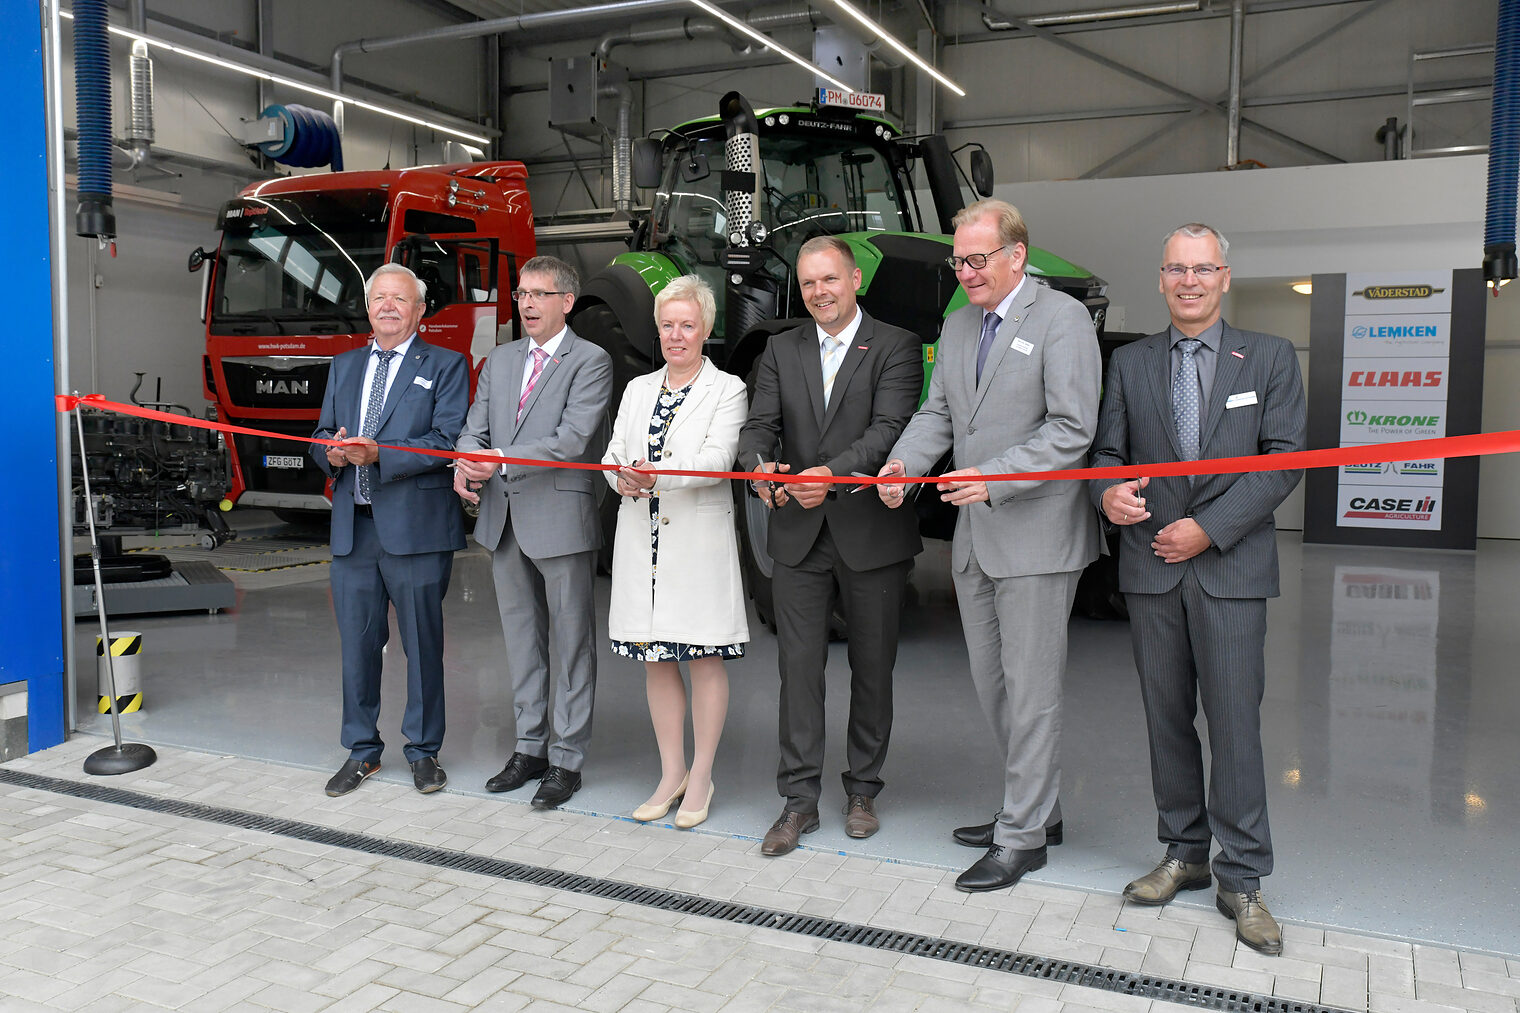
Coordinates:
(1499, 260)
(92, 97)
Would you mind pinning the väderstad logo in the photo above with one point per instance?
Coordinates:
(1398, 291)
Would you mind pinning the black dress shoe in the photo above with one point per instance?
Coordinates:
(556, 788)
(520, 769)
(427, 775)
(350, 776)
(998, 868)
(980, 836)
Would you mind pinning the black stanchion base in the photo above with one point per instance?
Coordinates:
(122, 759)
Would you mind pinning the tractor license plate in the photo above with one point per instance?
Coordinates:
(283, 461)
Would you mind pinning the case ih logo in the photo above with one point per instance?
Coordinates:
(282, 386)
(1391, 508)
(1398, 292)
(1393, 378)
(1357, 417)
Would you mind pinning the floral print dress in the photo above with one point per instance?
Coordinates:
(665, 408)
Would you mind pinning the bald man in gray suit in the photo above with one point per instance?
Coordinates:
(1197, 563)
(1014, 389)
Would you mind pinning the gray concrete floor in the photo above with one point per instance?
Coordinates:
(1389, 727)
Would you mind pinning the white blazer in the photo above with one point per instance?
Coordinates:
(698, 595)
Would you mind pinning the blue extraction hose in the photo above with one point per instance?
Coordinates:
(311, 138)
(92, 93)
(1504, 148)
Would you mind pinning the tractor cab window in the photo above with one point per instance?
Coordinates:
(809, 185)
(293, 263)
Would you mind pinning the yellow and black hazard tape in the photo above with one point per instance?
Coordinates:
(121, 647)
(128, 704)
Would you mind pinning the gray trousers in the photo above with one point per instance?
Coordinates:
(1189, 646)
(1016, 637)
(537, 598)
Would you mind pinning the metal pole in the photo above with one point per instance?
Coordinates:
(117, 759)
(1232, 113)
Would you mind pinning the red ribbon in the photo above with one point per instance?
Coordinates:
(1330, 457)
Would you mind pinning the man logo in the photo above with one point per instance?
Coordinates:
(282, 386)
(1356, 417)
(1398, 292)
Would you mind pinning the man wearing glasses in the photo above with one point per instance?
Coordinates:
(1197, 563)
(542, 397)
(1014, 389)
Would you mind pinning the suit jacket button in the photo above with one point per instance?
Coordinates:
(971, 430)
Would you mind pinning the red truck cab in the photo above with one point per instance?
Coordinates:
(286, 294)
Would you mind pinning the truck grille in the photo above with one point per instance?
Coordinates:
(276, 381)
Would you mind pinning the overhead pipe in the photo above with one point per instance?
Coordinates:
(1499, 261)
(1232, 109)
(690, 28)
(92, 95)
(995, 24)
(140, 133)
(622, 149)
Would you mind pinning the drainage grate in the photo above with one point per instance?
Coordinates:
(1141, 986)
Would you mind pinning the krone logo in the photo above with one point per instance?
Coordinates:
(1398, 292)
(1356, 417)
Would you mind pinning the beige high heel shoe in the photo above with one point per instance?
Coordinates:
(651, 811)
(688, 818)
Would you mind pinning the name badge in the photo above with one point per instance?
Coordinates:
(1240, 400)
(423, 382)
(1022, 347)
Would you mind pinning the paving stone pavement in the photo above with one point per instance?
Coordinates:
(110, 908)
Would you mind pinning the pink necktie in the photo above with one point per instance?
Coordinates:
(539, 355)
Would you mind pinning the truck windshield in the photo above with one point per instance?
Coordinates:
(811, 186)
(297, 262)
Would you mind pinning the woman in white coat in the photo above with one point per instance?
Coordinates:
(677, 594)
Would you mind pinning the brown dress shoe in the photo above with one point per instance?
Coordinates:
(1162, 883)
(781, 838)
(1254, 924)
(860, 816)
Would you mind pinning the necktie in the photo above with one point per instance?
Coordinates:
(539, 355)
(832, 360)
(1186, 395)
(989, 334)
(372, 417)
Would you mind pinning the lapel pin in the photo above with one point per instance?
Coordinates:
(864, 348)
(1237, 355)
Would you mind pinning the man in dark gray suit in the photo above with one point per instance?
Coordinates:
(831, 396)
(395, 525)
(1197, 562)
(1014, 389)
(542, 397)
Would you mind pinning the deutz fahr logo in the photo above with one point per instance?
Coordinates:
(282, 386)
(1398, 292)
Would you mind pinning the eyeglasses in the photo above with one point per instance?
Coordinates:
(519, 294)
(975, 261)
(1200, 271)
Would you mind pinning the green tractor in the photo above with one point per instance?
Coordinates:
(737, 195)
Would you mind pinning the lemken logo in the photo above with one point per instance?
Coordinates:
(282, 386)
(1395, 331)
(1398, 292)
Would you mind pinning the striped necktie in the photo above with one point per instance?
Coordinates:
(832, 360)
(372, 412)
(539, 355)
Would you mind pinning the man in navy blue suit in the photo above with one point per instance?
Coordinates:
(396, 523)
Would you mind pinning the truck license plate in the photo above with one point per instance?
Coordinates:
(282, 461)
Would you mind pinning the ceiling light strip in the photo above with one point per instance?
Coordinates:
(290, 82)
(907, 53)
(770, 43)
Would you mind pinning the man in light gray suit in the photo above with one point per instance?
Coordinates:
(1197, 562)
(1014, 389)
(542, 397)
